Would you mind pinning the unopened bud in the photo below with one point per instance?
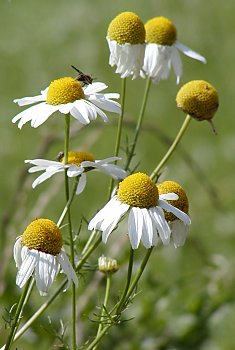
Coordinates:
(107, 265)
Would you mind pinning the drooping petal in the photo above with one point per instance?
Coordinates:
(17, 252)
(67, 268)
(147, 234)
(81, 184)
(189, 52)
(177, 212)
(27, 267)
(45, 272)
(161, 224)
(135, 226)
(177, 64)
(179, 232)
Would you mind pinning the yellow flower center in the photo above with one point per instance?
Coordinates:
(199, 99)
(127, 27)
(43, 235)
(138, 190)
(181, 203)
(64, 90)
(161, 31)
(78, 157)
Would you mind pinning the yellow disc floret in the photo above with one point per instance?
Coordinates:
(181, 203)
(127, 27)
(43, 235)
(78, 157)
(199, 99)
(64, 90)
(161, 31)
(138, 190)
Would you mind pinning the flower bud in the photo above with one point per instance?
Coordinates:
(107, 265)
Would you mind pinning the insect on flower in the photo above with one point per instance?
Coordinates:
(85, 79)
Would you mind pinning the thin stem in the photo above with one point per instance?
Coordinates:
(119, 130)
(139, 123)
(18, 314)
(172, 147)
(128, 281)
(68, 204)
(128, 294)
(105, 304)
(66, 150)
(100, 336)
(139, 273)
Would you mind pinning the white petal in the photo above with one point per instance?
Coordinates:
(27, 267)
(161, 224)
(93, 88)
(147, 235)
(179, 233)
(43, 177)
(81, 183)
(108, 105)
(74, 170)
(67, 268)
(111, 212)
(135, 226)
(17, 252)
(42, 162)
(45, 272)
(190, 53)
(177, 63)
(177, 212)
(169, 196)
(29, 100)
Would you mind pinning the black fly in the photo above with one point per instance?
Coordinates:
(85, 79)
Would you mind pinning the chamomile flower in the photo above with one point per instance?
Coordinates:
(138, 195)
(199, 99)
(179, 222)
(126, 40)
(78, 164)
(67, 95)
(39, 252)
(162, 50)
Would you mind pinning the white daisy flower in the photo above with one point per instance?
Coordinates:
(39, 252)
(126, 40)
(78, 164)
(67, 95)
(138, 194)
(179, 226)
(162, 50)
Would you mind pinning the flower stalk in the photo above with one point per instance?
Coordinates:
(139, 123)
(172, 147)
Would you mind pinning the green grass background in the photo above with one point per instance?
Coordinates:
(186, 298)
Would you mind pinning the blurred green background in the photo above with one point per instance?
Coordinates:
(186, 297)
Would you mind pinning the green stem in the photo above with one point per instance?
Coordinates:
(68, 204)
(105, 304)
(139, 273)
(128, 281)
(119, 130)
(66, 150)
(100, 336)
(172, 147)
(18, 314)
(139, 122)
(128, 294)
